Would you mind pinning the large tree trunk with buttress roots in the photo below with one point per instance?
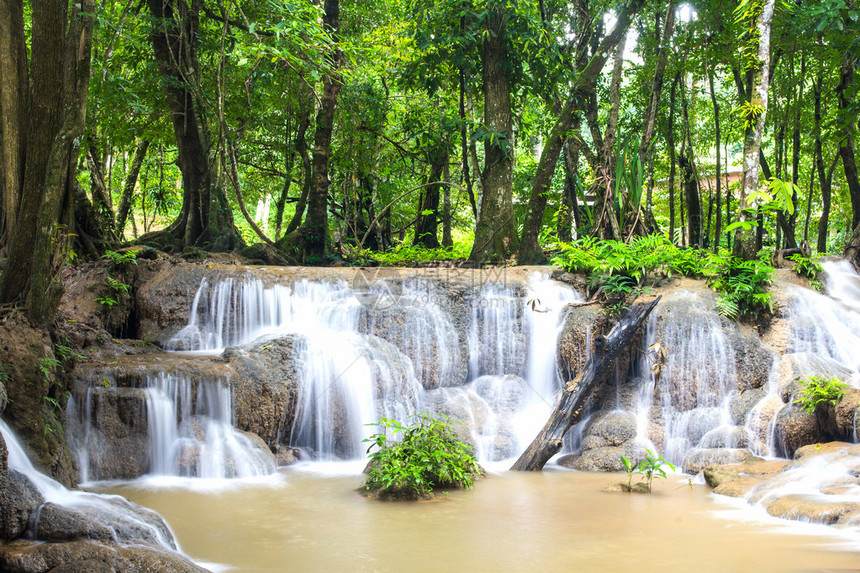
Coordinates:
(568, 411)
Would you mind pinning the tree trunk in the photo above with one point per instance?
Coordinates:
(14, 95)
(464, 145)
(427, 220)
(656, 87)
(719, 218)
(823, 180)
(745, 241)
(495, 234)
(692, 201)
(60, 71)
(852, 249)
(174, 40)
(570, 405)
(846, 141)
(670, 142)
(129, 185)
(314, 232)
(447, 239)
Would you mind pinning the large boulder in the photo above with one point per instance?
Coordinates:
(608, 458)
(611, 429)
(100, 518)
(91, 557)
(794, 428)
(265, 386)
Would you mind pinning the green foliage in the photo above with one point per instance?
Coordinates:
(742, 285)
(619, 268)
(819, 390)
(809, 268)
(407, 255)
(629, 467)
(428, 456)
(120, 259)
(651, 466)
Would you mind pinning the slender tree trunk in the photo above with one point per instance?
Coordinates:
(656, 87)
(691, 196)
(846, 141)
(426, 225)
(447, 239)
(718, 227)
(795, 149)
(129, 185)
(823, 182)
(745, 243)
(495, 234)
(314, 231)
(307, 182)
(670, 141)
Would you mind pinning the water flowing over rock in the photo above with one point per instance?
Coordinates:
(38, 509)
(308, 364)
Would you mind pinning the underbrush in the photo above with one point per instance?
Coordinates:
(427, 457)
(410, 256)
(616, 268)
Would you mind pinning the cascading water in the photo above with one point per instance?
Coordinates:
(391, 349)
(126, 522)
(696, 383)
(197, 438)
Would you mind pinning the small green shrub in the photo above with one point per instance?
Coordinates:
(629, 467)
(809, 268)
(428, 456)
(651, 466)
(121, 259)
(819, 390)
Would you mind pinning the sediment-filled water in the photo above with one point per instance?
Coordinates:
(551, 521)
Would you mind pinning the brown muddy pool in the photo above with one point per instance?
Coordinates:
(550, 521)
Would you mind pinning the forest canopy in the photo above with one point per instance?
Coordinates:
(491, 130)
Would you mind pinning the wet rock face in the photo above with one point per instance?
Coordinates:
(104, 519)
(18, 499)
(3, 397)
(23, 349)
(118, 445)
(581, 324)
(90, 557)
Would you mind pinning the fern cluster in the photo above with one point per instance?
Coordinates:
(616, 266)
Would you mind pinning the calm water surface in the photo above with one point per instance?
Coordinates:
(550, 521)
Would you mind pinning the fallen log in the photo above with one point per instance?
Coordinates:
(569, 408)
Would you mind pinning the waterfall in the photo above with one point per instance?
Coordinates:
(392, 348)
(197, 438)
(696, 381)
